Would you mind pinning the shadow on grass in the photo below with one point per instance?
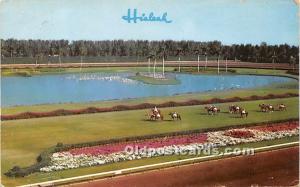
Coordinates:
(148, 120)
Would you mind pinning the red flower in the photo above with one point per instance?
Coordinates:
(239, 133)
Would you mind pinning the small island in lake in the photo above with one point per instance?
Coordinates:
(156, 79)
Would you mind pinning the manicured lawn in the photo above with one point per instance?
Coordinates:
(44, 71)
(41, 71)
(23, 140)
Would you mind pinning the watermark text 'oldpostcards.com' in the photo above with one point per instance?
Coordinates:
(203, 149)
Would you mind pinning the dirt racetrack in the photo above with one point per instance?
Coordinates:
(272, 168)
(230, 64)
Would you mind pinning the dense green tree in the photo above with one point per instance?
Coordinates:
(141, 49)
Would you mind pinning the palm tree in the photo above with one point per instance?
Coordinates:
(179, 50)
(150, 56)
(205, 54)
(149, 61)
(293, 62)
(226, 54)
(273, 59)
(59, 59)
(80, 63)
(154, 64)
(197, 52)
(219, 53)
(218, 63)
(226, 63)
(164, 56)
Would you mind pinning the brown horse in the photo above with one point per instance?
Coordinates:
(211, 110)
(155, 114)
(233, 109)
(281, 107)
(270, 108)
(154, 117)
(263, 107)
(266, 108)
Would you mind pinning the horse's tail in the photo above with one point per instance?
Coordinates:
(246, 114)
(179, 117)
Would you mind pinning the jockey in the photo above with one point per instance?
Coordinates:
(155, 110)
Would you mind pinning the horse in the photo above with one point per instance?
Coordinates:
(155, 114)
(234, 109)
(281, 107)
(154, 117)
(155, 111)
(263, 107)
(270, 108)
(243, 113)
(266, 108)
(211, 110)
(175, 115)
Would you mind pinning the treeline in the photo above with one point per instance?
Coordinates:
(144, 49)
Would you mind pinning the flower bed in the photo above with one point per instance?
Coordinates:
(153, 143)
(278, 127)
(111, 153)
(239, 133)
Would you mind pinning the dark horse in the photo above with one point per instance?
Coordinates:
(233, 109)
(212, 110)
(156, 117)
(266, 108)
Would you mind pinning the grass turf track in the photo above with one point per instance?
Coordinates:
(23, 140)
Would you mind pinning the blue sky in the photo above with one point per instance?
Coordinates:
(230, 21)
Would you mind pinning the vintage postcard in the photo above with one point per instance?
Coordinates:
(149, 93)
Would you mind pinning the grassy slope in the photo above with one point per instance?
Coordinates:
(23, 140)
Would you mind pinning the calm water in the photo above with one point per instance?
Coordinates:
(107, 86)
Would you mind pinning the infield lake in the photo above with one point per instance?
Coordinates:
(63, 88)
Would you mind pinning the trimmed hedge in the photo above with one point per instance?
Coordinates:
(44, 158)
(293, 72)
(89, 110)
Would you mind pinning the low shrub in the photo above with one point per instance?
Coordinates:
(63, 112)
(42, 160)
